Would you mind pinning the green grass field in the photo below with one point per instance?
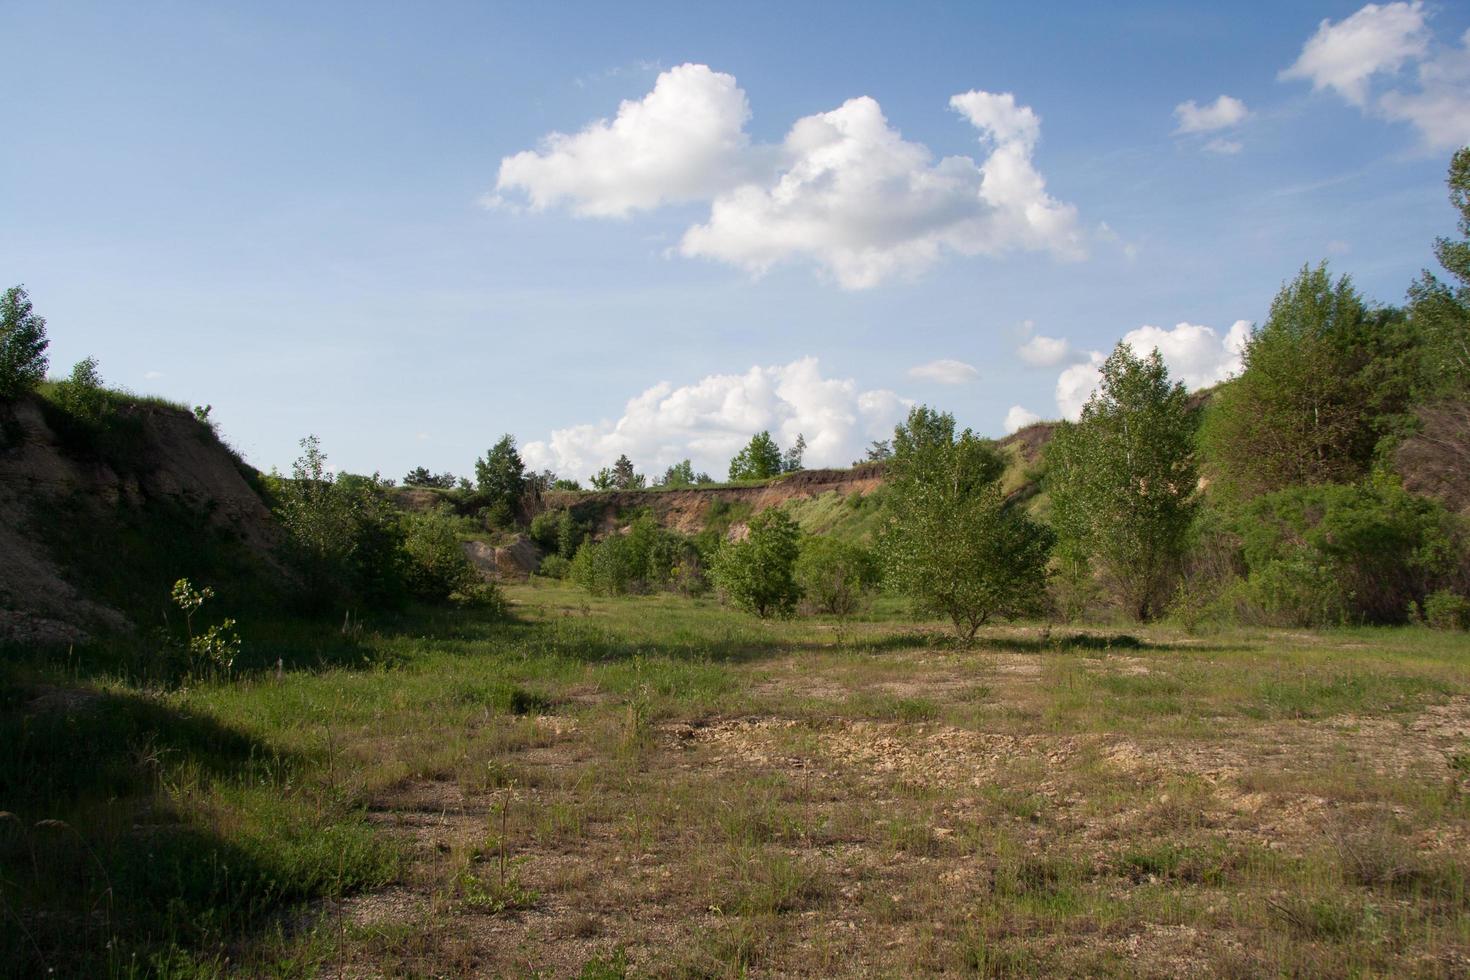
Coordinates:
(659, 786)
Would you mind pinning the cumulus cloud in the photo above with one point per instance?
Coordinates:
(1345, 55)
(1040, 351)
(1194, 354)
(1018, 418)
(1440, 107)
(844, 190)
(1377, 42)
(711, 419)
(945, 372)
(1224, 112)
(683, 141)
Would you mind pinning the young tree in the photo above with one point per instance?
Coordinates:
(953, 544)
(23, 344)
(1123, 481)
(501, 474)
(759, 460)
(682, 475)
(1440, 311)
(623, 476)
(82, 393)
(758, 574)
(320, 520)
(835, 576)
(791, 462)
(1300, 412)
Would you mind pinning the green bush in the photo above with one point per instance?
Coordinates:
(835, 577)
(554, 566)
(1446, 610)
(437, 566)
(606, 567)
(1327, 553)
(82, 395)
(759, 573)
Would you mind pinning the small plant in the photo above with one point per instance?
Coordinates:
(82, 394)
(1446, 610)
(215, 649)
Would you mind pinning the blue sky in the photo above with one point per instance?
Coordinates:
(299, 214)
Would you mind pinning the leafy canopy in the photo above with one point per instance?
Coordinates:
(953, 544)
(1123, 481)
(758, 574)
(23, 344)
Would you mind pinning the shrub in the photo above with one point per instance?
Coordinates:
(758, 574)
(82, 395)
(1359, 552)
(1446, 610)
(554, 566)
(606, 567)
(835, 577)
(437, 566)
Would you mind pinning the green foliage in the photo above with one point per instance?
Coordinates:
(82, 394)
(1301, 411)
(321, 523)
(420, 476)
(1446, 610)
(1441, 311)
(23, 344)
(835, 576)
(759, 460)
(952, 544)
(759, 573)
(791, 460)
(557, 532)
(500, 477)
(437, 567)
(212, 652)
(645, 558)
(1122, 482)
(554, 566)
(1361, 552)
(682, 474)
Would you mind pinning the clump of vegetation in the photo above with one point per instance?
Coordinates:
(953, 544)
(1122, 482)
(23, 344)
(758, 574)
(420, 476)
(82, 394)
(762, 459)
(644, 558)
(1446, 610)
(500, 479)
(835, 577)
(212, 652)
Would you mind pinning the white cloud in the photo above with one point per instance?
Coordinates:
(1194, 354)
(844, 190)
(1223, 146)
(1224, 112)
(683, 141)
(1345, 55)
(1440, 109)
(152, 375)
(866, 205)
(1018, 418)
(1039, 351)
(945, 372)
(711, 419)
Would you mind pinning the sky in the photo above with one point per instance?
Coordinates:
(656, 229)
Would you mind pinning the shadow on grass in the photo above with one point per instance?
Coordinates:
(102, 873)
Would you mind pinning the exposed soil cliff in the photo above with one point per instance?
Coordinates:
(687, 510)
(57, 484)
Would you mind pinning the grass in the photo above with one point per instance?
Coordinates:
(657, 785)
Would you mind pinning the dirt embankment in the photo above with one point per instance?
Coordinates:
(687, 510)
(172, 458)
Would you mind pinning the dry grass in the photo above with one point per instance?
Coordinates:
(1154, 806)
